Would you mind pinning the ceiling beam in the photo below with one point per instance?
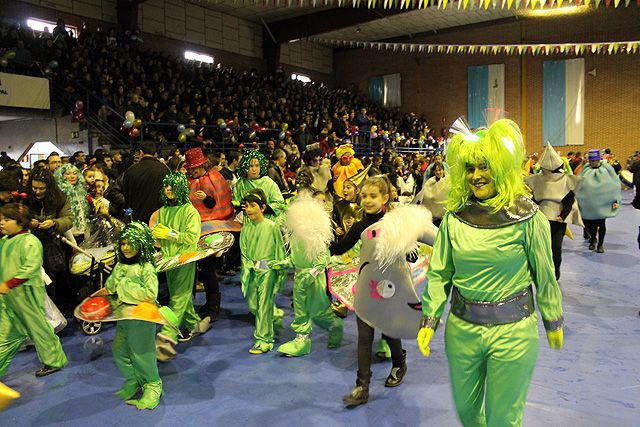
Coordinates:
(325, 21)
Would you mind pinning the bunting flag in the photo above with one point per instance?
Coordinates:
(443, 4)
(608, 48)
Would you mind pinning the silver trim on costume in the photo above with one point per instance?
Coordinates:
(553, 325)
(429, 322)
(509, 310)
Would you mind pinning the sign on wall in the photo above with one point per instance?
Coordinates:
(485, 90)
(24, 91)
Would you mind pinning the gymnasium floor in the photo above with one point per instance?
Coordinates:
(593, 381)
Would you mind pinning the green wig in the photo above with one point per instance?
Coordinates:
(500, 147)
(139, 236)
(179, 186)
(245, 162)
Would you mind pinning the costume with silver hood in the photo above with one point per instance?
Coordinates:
(554, 192)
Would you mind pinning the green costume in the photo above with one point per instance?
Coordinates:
(274, 197)
(185, 220)
(134, 349)
(310, 302)
(490, 265)
(261, 242)
(22, 309)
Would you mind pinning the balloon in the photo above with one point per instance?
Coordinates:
(79, 115)
(229, 123)
(374, 128)
(285, 126)
(374, 135)
(241, 146)
(282, 135)
(122, 128)
(182, 137)
(134, 133)
(79, 104)
(137, 122)
(288, 133)
(47, 71)
(227, 131)
(130, 116)
(53, 64)
(127, 124)
(223, 125)
(191, 132)
(4, 62)
(220, 122)
(181, 128)
(255, 127)
(10, 54)
(255, 144)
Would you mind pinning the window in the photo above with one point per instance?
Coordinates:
(40, 25)
(200, 57)
(300, 77)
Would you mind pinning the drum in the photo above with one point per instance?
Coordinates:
(626, 178)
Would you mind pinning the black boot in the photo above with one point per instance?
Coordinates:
(396, 376)
(211, 307)
(360, 394)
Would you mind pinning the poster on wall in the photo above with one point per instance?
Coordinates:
(563, 102)
(24, 91)
(485, 90)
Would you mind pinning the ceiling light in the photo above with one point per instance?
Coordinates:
(558, 11)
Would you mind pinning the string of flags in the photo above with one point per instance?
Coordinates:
(610, 48)
(442, 4)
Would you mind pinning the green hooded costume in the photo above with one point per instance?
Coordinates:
(135, 280)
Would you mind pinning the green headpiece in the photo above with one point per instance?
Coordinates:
(500, 147)
(179, 186)
(245, 162)
(138, 235)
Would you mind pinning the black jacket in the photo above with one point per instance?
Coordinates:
(141, 186)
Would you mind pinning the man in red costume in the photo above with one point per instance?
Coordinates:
(211, 196)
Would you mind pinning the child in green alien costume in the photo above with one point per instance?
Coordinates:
(260, 243)
(178, 231)
(22, 294)
(309, 227)
(252, 170)
(134, 280)
(492, 247)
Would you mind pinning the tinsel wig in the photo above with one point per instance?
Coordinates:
(76, 194)
(179, 187)
(500, 148)
(245, 162)
(139, 236)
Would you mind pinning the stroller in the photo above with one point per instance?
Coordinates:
(94, 260)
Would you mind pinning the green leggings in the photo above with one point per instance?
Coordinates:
(310, 303)
(490, 369)
(180, 282)
(21, 315)
(134, 352)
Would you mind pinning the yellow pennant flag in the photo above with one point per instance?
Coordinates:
(597, 2)
(486, 4)
(510, 2)
(616, 3)
(520, 49)
(444, 4)
(534, 4)
(560, 3)
(587, 3)
(464, 4)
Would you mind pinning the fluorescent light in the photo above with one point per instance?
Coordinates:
(200, 57)
(558, 11)
(300, 77)
(40, 25)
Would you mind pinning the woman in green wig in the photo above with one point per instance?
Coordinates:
(492, 247)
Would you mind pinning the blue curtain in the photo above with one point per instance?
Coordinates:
(376, 89)
(477, 95)
(553, 103)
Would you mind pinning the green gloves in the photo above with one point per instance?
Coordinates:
(555, 339)
(162, 232)
(424, 337)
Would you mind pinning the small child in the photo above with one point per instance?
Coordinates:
(22, 294)
(134, 280)
(310, 231)
(260, 242)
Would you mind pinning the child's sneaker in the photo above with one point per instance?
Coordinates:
(299, 346)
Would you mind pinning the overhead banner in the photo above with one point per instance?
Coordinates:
(24, 91)
(485, 90)
(563, 102)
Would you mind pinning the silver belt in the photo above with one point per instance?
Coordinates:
(509, 310)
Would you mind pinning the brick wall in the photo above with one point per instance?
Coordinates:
(436, 84)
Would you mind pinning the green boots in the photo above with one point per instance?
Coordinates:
(151, 394)
(128, 390)
(299, 346)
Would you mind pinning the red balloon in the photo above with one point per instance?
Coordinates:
(79, 115)
(288, 133)
(241, 146)
(134, 132)
(255, 127)
(229, 123)
(95, 308)
(261, 129)
(255, 144)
